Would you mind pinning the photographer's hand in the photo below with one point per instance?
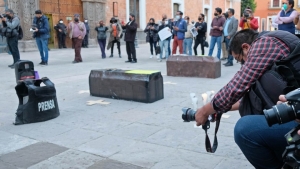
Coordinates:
(36, 29)
(3, 19)
(202, 114)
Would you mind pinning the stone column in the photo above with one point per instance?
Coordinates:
(95, 11)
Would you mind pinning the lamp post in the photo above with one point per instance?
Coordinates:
(135, 39)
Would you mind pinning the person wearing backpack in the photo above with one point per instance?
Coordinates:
(266, 57)
(101, 36)
(10, 30)
(115, 30)
(41, 35)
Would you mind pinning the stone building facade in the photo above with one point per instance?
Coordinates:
(96, 10)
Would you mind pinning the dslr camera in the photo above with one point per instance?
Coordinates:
(2, 15)
(283, 113)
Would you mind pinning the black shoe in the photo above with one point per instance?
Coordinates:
(75, 61)
(64, 47)
(11, 65)
(128, 61)
(134, 61)
(120, 56)
(228, 64)
(111, 56)
(223, 59)
(225, 63)
(42, 62)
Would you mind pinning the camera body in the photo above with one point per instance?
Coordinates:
(2, 15)
(188, 115)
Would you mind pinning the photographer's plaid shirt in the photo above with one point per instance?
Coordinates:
(261, 56)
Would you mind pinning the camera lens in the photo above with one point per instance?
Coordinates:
(280, 114)
(188, 114)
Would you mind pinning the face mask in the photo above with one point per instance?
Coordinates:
(186, 21)
(177, 17)
(284, 7)
(85, 20)
(76, 20)
(101, 24)
(61, 22)
(166, 22)
(215, 14)
(200, 19)
(129, 19)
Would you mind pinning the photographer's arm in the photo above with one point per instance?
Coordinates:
(15, 22)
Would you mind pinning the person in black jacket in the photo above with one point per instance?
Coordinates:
(201, 27)
(61, 32)
(130, 33)
(152, 35)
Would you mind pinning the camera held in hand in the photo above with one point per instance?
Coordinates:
(283, 113)
(246, 16)
(188, 115)
(3, 16)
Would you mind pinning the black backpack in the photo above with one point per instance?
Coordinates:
(281, 78)
(20, 31)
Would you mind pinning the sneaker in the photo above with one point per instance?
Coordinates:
(11, 65)
(159, 60)
(111, 56)
(128, 61)
(151, 56)
(157, 57)
(120, 56)
(42, 62)
(134, 61)
(228, 64)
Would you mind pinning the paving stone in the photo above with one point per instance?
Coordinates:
(133, 115)
(136, 131)
(10, 142)
(232, 163)
(143, 154)
(71, 159)
(32, 154)
(188, 160)
(106, 125)
(111, 164)
(4, 165)
(78, 137)
(106, 146)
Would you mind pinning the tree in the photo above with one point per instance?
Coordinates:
(248, 3)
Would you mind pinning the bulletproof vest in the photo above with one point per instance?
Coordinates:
(282, 77)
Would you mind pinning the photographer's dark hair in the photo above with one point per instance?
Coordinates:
(38, 12)
(243, 36)
(231, 10)
(10, 11)
(219, 10)
(226, 15)
(203, 16)
(152, 19)
(180, 12)
(132, 15)
(291, 2)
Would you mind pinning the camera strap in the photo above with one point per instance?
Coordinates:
(209, 148)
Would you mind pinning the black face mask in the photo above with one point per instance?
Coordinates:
(111, 21)
(199, 19)
(129, 19)
(215, 14)
(8, 16)
(151, 23)
(76, 20)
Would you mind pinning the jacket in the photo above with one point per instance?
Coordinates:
(101, 32)
(42, 25)
(218, 21)
(202, 29)
(253, 24)
(151, 33)
(285, 20)
(62, 27)
(181, 24)
(232, 26)
(111, 36)
(130, 32)
(81, 27)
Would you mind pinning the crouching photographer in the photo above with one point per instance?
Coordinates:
(270, 69)
(11, 26)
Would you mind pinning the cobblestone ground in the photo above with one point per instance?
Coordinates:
(122, 134)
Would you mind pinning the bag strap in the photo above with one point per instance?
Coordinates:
(209, 148)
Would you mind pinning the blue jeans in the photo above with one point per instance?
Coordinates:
(213, 41)
(42, 45)
(230, 57)
(262, 145)
(187, 45)
(164, 45)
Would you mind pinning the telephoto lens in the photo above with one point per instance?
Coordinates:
(188, 114)
(281, 113)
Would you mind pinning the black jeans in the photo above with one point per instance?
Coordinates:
(85, 42)
(152, 44)
(61, 40)
(130, 49)
(118, 45)
(12, 44)
(197, 42)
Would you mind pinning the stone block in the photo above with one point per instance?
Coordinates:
(135, 85)
(193, 66)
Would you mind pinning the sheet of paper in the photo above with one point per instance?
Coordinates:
(164, 33)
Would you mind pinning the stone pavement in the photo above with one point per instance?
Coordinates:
(122, 134)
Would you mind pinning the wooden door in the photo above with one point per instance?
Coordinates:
(62, 9)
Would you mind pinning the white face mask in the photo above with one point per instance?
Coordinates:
(166, 22)
(177, 17)
(85, 20)
(61, 21)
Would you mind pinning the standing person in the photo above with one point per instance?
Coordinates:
(169, 22)
(188, 37)
(165, 43)
(201, 27)
(152, 35)
(130, 33)
(224, 50)
(77, 33)
(12, 22)
(115, 30)
(61, 32)
(216, 32)
(101, 36)
(285, 18)
(85, 42)
(179, 28)
(41, 34)
(230, 28)
(248, 21)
